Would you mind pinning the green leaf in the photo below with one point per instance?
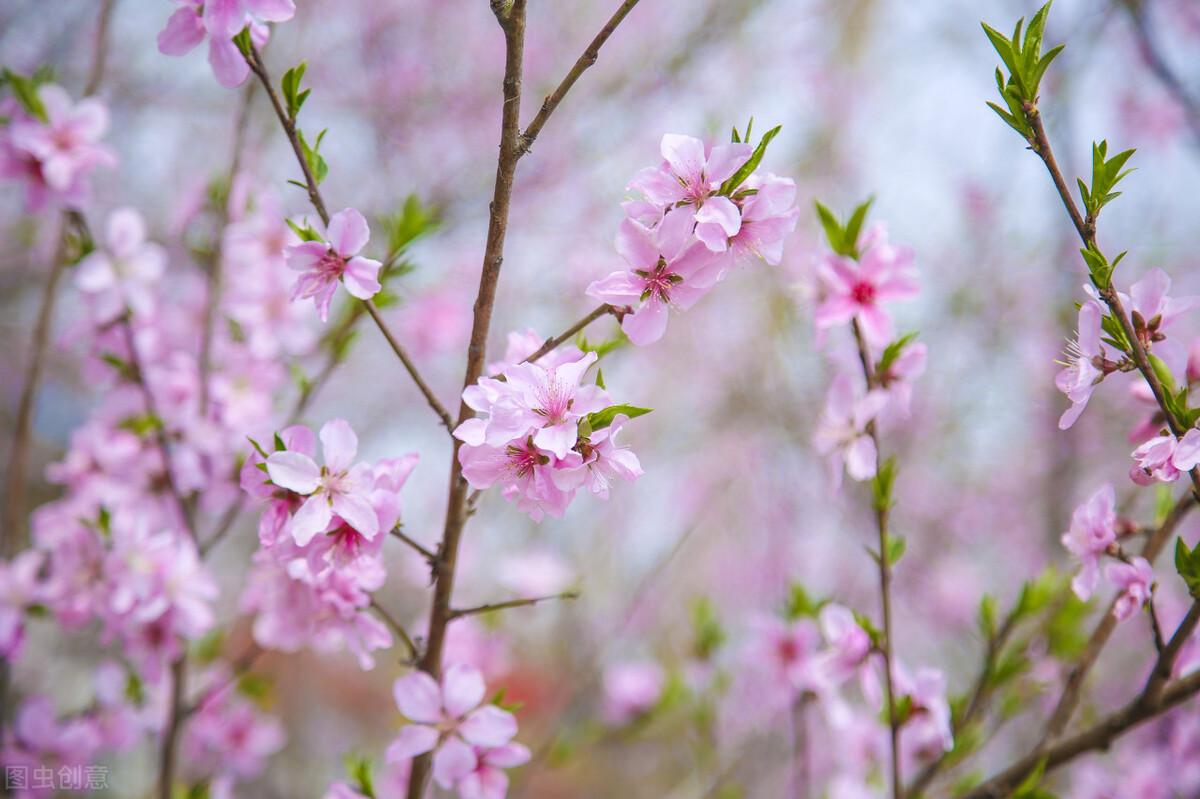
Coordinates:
(413, 220)
(292, 95)
(746, 169)
(1163, 373)
(602, 419)
(25, 90)
(1187, 564)
(833, 228)
(892, 351)
(987, 616)
(306, 233)
(358, 769)
(883, 484)
(707, 633)
(257, 447)
(142, 424)
(895, 548)
(243, 42)
(312, 155)
(799, 604)
(843, 238)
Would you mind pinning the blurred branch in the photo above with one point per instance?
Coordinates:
(398, 628)
(882, 512)
(1159, 67)
(587, 59)
(254, 61)
(1073, 686)
(569, 333)
(512, 603)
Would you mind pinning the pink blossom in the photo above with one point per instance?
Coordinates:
(229, 735)
(603, 461)
(855, 290)
(630, 690)
(545, 401)
(787, 651)
(487, 779)
(335, 488)
(927, 732)
(1082, 370)
(39, 739)
(1164, 457)
(1135, 581)
(768, 216)
(897, 380)
(322, 264)
(126, 273)
(18, 590)
(523, 344)
(841, 435)
(53, 157)
(220, 21)
(1150, 300)
(690, 177)
(448, 719)
(524, 473)
(1092, 530)
(848, 644)
(668, 269)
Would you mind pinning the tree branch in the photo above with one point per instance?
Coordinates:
(587, 59)
(554, 343)
(512, 603)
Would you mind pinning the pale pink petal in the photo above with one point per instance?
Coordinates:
(635, 244)
(647, 324)
(489, 726)
(183, 32)
(725, 159)
(559, 438)
(358, 513)
(462, 689)
(293, 471)
(227, 62)
(412, 740)
(418, 697)
(1149, 292)
(660, 188)
(507, 756)
(306, 255)
(1187, 451)
(722, 212)
(685, 154)
(674, 233)
(453, 761)
(361, 277)
(223, 18)
(348, 232)
(312, 518)
(339, 444)
(90, 119)
(126, 232)
(95, 273)
(471, 432)
(618, 288)
(272, 10)
(860, 458)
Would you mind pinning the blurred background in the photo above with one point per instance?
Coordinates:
(879, 98)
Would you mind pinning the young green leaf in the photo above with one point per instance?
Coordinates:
(601, 419)
(745, 170)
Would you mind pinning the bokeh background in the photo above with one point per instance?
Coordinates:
(876, 97)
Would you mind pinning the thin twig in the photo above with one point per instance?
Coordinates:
(1099, 736)
(398, 628)
(587, 59)
(512, 603)
(410, 367)
(565, 336)
(425, 552)
(882, 514)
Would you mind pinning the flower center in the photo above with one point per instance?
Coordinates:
(863, 293)
(658, 281)
(331, 266)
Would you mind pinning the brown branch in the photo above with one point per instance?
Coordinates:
(410, 367)
(166, 753)
(587, 59)
(511, 17)
(100, 53)
(882, 513)
(565, 336)
(512, 603)
(1160, 68)
(398, 628)
(426, 553)
(18, 460)
(1098, 736)
(1166, 658)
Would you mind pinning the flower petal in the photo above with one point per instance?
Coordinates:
(339, 444)
(489, 726)
(412, 740)
(418, 697)
(348, 232)
(294, 471)
(462, 689)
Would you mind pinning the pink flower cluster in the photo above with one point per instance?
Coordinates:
(1093, 535)
(852, 291)
(688, 229)
(543, 434)
(321, 537)
(53, 149)
(219, 21)
(471, 740)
